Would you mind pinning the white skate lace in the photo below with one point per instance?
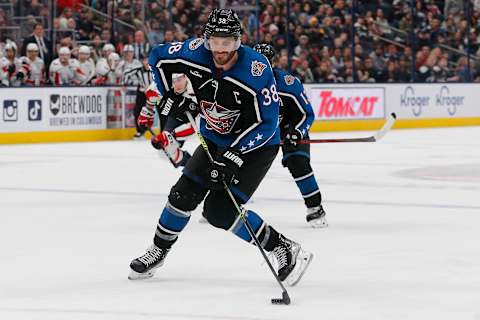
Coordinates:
(151, 256)
(280, 253)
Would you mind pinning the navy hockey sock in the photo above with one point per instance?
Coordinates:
(308, 187)
(171, 223)
(267, 236)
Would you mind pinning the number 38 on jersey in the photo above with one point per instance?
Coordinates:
(269, 95)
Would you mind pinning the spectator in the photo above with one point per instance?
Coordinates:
(302, 45)
(325, 72)
(304, 73)
(452, 6)
(169, 36)
(378, 58)
(140, 46)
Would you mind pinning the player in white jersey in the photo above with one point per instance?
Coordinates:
(86, 64)
(106, 70)
(128, 66)
(12, 73)
(102, 62)
(66, 71)
(34, 66)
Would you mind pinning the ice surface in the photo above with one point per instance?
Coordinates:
(403, 240)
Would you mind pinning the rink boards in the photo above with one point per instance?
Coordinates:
(49, 114)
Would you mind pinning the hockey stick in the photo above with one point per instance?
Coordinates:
(377, 136)
(163, 150)
(285, 297)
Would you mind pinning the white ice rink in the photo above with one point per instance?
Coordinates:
(403, 241)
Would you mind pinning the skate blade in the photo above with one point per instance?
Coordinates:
(302, 262)
(139, 276)
(318, 223)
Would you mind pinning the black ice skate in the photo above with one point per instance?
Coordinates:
(138, 136)
(292, 260)
(146, 265)
(316, 217)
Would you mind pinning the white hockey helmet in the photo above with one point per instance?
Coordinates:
(113, 57)
(108, 47)
(128, 48)
(11, 46)
(64, 51)
(32, 47)
(84, 49)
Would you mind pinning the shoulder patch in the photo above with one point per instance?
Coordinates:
(195, 44)
(258, 68)
(289, 79)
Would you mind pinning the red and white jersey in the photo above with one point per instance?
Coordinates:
(153, 95)
(153, 98)
(88, 68)
(127, 72)
(35, 71)
(69, 74)
(9, 71)
(105, 74)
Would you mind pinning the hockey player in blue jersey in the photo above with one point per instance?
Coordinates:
(297, 116)
(239, 107)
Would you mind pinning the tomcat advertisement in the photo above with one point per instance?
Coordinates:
(343, 103)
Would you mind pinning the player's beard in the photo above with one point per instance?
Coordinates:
(221, 58)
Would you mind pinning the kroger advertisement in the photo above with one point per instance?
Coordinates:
(424, 101)
(67, 108)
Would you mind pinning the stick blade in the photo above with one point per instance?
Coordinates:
(386, 127)
(284, 300)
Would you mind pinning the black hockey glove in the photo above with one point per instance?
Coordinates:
(11, 69)
(292, 139)
(20, 75)
(175, 105)
(225, 167)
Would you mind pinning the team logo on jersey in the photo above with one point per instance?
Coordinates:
(195, 44)
(257, 68)
(289, 79)
(219, 118)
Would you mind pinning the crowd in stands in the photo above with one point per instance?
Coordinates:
(394, 41)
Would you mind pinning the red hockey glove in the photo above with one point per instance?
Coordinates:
(145, 120)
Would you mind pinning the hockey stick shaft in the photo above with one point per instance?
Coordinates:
(235, 203)
(377, 136)
(163, 150)
(151, 132)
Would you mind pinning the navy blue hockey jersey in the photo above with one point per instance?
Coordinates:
(239, 107)
(296, 110)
